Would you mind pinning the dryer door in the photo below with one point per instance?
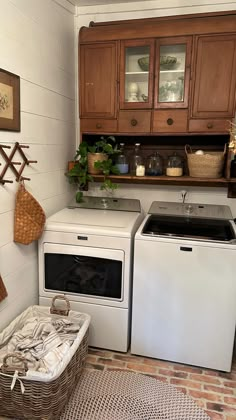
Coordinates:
(94, 274)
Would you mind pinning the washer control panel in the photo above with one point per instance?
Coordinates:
(211, 211)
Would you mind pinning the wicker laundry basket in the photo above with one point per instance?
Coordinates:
(207, 165)
(42, 399)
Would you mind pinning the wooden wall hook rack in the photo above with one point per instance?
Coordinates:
(10, 163)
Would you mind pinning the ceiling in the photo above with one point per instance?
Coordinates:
(94, 2)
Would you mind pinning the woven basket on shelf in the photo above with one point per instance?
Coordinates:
(207, 165)
(29, 218)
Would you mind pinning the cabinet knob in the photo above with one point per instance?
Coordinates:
(98, 125)
(209, 125)
(134, 122)
(170, 121)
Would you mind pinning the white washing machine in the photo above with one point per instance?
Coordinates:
(86, 253)
(184, 286)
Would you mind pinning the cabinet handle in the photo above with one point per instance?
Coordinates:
(98, 125)
(170, 121)
(209, 125)
(134, 122)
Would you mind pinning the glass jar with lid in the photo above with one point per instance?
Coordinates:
(174, 165)
(136, 159)
(154, 165)
(122, 160)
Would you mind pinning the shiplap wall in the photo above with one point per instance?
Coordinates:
(145, 9)
(36, 43)
(149, 8)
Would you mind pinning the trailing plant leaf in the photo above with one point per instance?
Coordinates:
(108, 185)
(107, 167)
(82, 152)
(115, 170)
(78, 175)
(105, 145)
(79, 197)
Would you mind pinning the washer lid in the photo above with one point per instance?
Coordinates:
(191, 210)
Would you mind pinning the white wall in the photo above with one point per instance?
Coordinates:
(37, 43)
(146, 9)
(149, 8)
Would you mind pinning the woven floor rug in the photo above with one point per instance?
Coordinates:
(128, 396)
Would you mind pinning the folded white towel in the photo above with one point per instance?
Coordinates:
(43, 341)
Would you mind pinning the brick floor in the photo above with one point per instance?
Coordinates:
(214, 391)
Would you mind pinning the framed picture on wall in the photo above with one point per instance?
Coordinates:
(9, 101)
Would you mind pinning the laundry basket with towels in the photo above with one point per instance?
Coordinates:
(41, 357)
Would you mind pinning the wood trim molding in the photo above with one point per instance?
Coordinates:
(160, 27)
(162, 18)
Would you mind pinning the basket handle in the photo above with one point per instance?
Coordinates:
(188, 149)
(54, 310)
(11, 368)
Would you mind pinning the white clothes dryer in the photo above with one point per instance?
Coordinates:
(86, 253)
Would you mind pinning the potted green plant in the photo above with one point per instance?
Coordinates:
(92, 160)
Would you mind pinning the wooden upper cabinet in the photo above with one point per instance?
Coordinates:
(136, 74)
(172, 75)
(214, 78)
(178, 73)
(98, 80)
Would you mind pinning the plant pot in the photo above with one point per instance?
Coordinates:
(92, 158)
(71, 164)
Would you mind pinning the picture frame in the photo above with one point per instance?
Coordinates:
(9, 101)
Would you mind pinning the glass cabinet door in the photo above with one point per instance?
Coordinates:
(172, 72)
(136, 78)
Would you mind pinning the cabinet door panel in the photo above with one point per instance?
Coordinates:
(98, 80)
(215, 77)
(136, 74)
(173, 59)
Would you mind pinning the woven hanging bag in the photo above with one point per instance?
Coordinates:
(29, 219)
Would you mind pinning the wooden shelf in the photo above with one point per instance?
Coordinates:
(171, 71)
(136, 72)
(167, 180)
(230, 184)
